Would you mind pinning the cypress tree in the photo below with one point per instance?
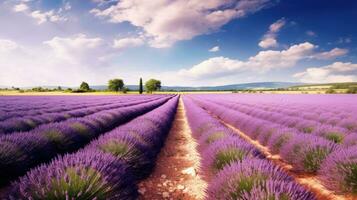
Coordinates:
(141, 86)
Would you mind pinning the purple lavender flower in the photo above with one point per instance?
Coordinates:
(349, 124)
(238, 178)
(278, 190)
(226, 151)
(19, 152)
(85, 175)
(306, 152)
(350, 140)
(339, 171)
(266, 132)
(334, 134)
(127, 148)
(279, 139)
(213, 135)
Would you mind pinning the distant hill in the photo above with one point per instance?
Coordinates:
(327, 85)
(242, 86)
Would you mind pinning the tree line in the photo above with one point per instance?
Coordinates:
(117, 85)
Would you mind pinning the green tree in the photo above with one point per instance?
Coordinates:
(141, 86)
(152, 85)
(330, 91)
(115, 85)
(352, 90)
(84, 87)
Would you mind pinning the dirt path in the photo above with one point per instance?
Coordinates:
(175, 174)
(309, 181)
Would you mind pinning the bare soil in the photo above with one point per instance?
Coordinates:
(175, 176)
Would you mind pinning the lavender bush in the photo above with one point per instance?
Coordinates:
(278, 190)
(239, 178)
(339, 171)
(224, 152)
(306, 153)
(85, 175)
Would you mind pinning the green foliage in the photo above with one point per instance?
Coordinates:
(141, 86)
(341, 85)
(116, 148)
(330, 91)
(307, 129)
(84, 87)
(278, 143)
(352, 90)
(77, 184)
(351, 178)
(68, 90)
(314, 158)
(115, 85)
(152, 85)
(246, 184)
(334, 137)
(215, 136)
(227, 156)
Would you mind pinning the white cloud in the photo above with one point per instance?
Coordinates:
(40, 16)
(49, 16)
(7, 46)
(269, 39)
(310, 33)
(59, 61)
(167, 21)
(334, 53)
(268, 42)
(123, 43)
(262, 62)
(20, 7)
(336, 72)
(77, 49)
(214, 49)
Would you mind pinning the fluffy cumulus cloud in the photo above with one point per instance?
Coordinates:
(334, 53)
(60, 60)
(42, 16)
(21, 7)
(168, 21)
(269, 39)
(214, 49)
(336, 72)
(262, 62)
(78, 48)
(128, 42)
(49, 16)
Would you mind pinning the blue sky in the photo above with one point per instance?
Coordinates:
(181, 42)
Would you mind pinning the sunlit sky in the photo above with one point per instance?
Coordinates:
(180, 42)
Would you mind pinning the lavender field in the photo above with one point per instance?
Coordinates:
(192, 146)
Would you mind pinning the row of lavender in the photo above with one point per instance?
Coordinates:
(325, 114)
(108, 168)
(23, 150)
(234, 168)
(306, 106)
(31, 105)
(335, 165)
(28, 122)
